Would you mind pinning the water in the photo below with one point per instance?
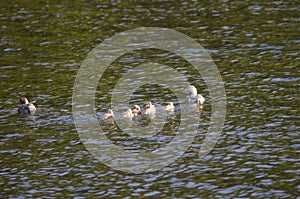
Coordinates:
(255, 45)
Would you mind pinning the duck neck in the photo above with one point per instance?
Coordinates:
(193, 92)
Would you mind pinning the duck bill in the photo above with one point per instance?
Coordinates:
(185, 90)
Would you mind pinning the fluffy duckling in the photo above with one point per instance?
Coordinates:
(128, 114)
(26, 107)
(193, 97)
(149, 109)
(136, 110)
(108, 115)
(170, 107)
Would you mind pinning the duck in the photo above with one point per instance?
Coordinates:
(108, 115)
(170, 107)
(26, 107)
(136, 110)
(128, 114)
(149, 109)
(193, 97)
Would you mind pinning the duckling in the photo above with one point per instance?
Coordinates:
(26, 107)
(193, 97)
(136, 110)
(128, 114)
(170, 107)
(149, 109)
(108, 115)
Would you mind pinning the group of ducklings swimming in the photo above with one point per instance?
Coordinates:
(136, 111)
(28, 108)
(150, 110)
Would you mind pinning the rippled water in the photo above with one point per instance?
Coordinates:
(255, 45)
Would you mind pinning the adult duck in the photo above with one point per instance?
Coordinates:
(193, 97)
(25, 107)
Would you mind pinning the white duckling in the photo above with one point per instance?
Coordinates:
(149, 109)
(128, 114)
(25, 107)
(136, 110)
(193, 97)
(108, 115)
(170, 107)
